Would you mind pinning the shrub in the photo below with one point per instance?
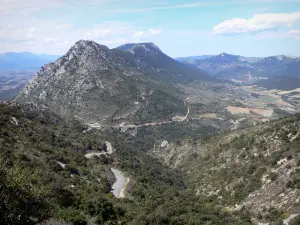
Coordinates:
(273, 176)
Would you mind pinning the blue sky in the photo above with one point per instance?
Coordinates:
(179, 28)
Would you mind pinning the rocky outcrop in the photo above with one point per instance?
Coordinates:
(101, 85)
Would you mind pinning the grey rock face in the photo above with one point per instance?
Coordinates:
(98, 84)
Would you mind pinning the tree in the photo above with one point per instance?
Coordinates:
(19, 204)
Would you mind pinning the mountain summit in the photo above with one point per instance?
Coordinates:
(160, 66)
(141, 48)
(145, 45)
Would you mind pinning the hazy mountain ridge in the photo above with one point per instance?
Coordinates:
(24, 60)
(193, 58)
(248, 69)
(17, 68)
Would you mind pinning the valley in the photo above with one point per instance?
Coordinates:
(248, 104)
(225, 106)
(11, 83)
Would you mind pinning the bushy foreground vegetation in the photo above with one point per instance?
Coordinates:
(256, 169)
(44, 176)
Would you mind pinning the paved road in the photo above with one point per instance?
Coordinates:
(120, 184)
(109, 148)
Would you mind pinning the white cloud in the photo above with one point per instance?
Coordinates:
(56, 38)
(166, 7)
(32, 32)
(150, 32)
(257, 23)
(50, 40)
(295, 34)
(64, 27)
(115, 41)
(198, 4)
(25, 7)
(96, 33)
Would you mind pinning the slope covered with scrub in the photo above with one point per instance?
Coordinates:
(255, 169)
(45, 176)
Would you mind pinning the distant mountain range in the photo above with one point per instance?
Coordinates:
(192, 58)
(24, 60)
(17, 68)
(245, 69)
(146, 58)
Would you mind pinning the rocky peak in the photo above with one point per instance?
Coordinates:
(280, 57)
(227, 57)
(148, 45)
(273, 60)
(86, 44)
(84, 47)
(83, 53)
(142, 49)
(223, 58)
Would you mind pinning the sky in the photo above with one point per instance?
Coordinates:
(178, 27)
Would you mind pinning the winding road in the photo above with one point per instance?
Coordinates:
(182, 118)
(119, 187)
(109, 151)
(98, 125)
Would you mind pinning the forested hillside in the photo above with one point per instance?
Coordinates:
(254, 169)
(45, 176)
